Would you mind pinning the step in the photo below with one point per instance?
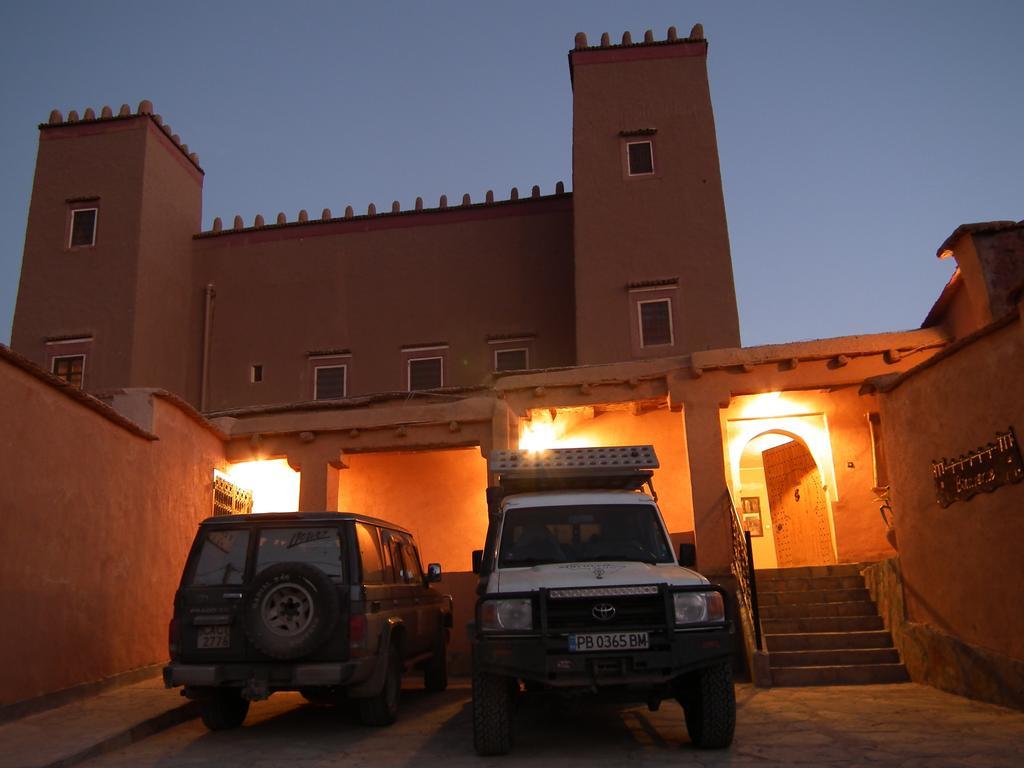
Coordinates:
(804, 571)
(817, 610)
(809, 641)
(813, 596)
(835, 658)
(800, 584)
(821, 624)
(858, 674)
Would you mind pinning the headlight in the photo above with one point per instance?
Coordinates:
(516, 614)
(698, 607)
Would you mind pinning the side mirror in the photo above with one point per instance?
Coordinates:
(478, 561)
(687, 555)
(433, 573)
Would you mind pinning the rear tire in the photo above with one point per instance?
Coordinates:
(223, 709)
(492, 713)
(709, 704)
(382, 709)
(435, 674)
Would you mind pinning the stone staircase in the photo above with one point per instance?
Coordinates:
(820, 627)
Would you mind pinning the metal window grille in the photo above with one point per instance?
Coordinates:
(230, 499)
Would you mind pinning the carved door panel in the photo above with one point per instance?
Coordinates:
(798, 506)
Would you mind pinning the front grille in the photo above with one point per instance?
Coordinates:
(578, 613)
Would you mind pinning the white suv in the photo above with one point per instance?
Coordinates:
(579, 588)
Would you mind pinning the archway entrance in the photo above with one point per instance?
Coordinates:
(784, 503)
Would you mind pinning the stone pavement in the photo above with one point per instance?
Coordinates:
(75, 732)
(879, 725)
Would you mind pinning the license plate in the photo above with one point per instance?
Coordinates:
(214, 637)
(610, 641)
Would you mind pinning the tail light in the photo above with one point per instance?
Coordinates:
(357, 629)
(173, 639)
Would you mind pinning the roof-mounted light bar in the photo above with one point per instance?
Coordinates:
(620, 457)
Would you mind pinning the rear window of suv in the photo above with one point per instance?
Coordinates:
(316, 546)
(221, 558)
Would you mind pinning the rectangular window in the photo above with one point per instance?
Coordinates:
(330, 382)
(221, 558)
(426, 373)
(370, 554)
(511, 359)
(256, 374)
(640, 156)
(83, 227)
(71, 368)
(319, 547)
(655, 322)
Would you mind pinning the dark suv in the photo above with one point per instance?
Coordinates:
(329, 604)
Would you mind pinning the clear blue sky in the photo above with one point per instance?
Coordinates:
(854, 137)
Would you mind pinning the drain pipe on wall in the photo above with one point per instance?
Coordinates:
(211, 293)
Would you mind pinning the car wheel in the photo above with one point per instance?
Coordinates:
(382, 709)
(292, 610)
(492, 713)
(435, 674)
(223, 708)
(708, 699)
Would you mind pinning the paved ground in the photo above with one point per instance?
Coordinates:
(892, 725)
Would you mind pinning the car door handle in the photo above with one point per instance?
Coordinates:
(232, 595)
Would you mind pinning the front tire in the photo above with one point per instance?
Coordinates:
(492, 713)
(382, 709)
(223, 709)
(708, 698)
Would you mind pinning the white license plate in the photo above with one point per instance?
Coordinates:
(214, 637)
(610, 641)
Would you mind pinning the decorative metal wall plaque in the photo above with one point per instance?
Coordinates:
(984, 469)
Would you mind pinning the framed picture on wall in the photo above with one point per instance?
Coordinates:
(750, 508)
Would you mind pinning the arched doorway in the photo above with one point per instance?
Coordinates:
(783, 498)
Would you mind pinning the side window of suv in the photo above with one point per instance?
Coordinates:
(411, 561)
(370, 554)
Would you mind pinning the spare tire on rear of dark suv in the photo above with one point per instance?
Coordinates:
(291, 611)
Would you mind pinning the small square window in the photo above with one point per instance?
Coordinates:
(641, 158)
(510, 360)
(329, 382)
(256, 374)
(655, 322)
(71, 368)
(426, 373)
(83, 227)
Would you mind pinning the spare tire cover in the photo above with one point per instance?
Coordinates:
(291, 611)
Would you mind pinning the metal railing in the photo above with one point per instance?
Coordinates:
(742, 568)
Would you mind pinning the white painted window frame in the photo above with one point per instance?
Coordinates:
(629, 167)
(55, 358)
(524, 350)
(640, 322)
(411, 360)
(344, 380)
(95, 226)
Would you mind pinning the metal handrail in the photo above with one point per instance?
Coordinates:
(742, 568)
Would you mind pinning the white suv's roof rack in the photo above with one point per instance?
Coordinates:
(626, 467)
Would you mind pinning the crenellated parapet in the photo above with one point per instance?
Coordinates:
(106, 115)
(671, 38)
(303, 218)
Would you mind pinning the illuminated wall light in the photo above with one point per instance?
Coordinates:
(274, 484)
(547, 428)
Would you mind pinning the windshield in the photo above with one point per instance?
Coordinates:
(582, 533)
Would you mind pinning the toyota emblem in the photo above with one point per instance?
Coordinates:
(603, 612)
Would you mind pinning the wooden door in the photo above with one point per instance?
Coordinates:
(798, 506)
